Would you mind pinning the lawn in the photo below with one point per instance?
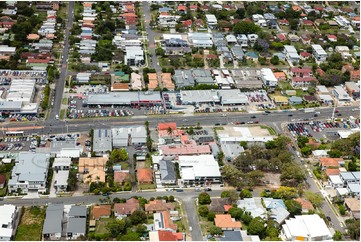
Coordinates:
(31, 224)
(100, 227)
(146, 186)
(64, 101)
(3, 190)
(270, 130)
(125, 165)
(148, 163)
(62, 113)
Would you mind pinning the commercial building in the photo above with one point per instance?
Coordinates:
(8, 218)
(21, 90)
(125, 98)
(305, 227)
(199, 169)
(353, 89)
(201, 40)
(29, 173)
(340, 94)
(319, 53)
(131, 135)
(102, 141)
(183, 78)
(268, 78)
(247, 79)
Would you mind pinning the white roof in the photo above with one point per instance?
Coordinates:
(268, 75)
(62, 162)
(307, 226)
(341, 191)
(335, 179)
(326, 97)
(319, 49)
(6, 218)
(61, 178)
(198, 166)
(322, 88)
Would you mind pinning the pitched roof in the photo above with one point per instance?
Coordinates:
(305, 204)
(158, 206)
(144, 175)
(332, 171)
(2, 179)
(165, 126)
(217, 204)
(120, 176)
(164, 235)
(326, 161)
(182, 8)
(100, 211)
(353, 204)
(127, 208)
(225, 221)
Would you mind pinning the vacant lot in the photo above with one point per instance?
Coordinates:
(101, 226)
(31, 224)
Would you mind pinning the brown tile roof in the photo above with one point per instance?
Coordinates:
(217, 205)
(120, 86)
(305, 204)
(165, 126)
(158, 206)
(164, 235)
(127, 208)
(2, 179)
(225, 221)
(353, 204)
(144, 175)
(101, 211)
(120, 176)
(168, 223)
(325, 161)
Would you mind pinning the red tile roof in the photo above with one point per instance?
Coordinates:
(165, 126)
(164, 235)
(305, 204)
(145, 175)
(332, 171)
(158, 206)
(101, 211)
(120, 176)
(127, 208)
(2, 179)
(307, 22)
(182, 8)
(225, 221)
(325, 161)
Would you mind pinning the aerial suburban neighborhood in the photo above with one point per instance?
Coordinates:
(180, 121)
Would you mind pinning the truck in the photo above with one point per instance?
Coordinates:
(309, 110)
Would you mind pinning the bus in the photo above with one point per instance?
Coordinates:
(14, 133)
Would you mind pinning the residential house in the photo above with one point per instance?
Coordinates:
(305, 227)
(101, 211)
(319, 53)
(167, 172)
(53, 223)
(344, 51)
(219, 205)
(166, 80)
(276, 208)
(301, 72)
(281, 76)
(332, 171)
(145, 176)
(61, 167)
(326, 162)
(2, 181)
(253, 205)
(92, 168)
(8, 219)
(335, 181)
(295, 100)
(306, 39)
(226, 222)
(353, 206)
(76, 222)
(305, 204)
(211, 21)
(187, 147)
(303, 81)
(350, 177)
(200, 40)
(163, 221)
(29, 173)
(136, 81)
(332, 38)
(164, 235)
(157, 206)
(353, 89)
(6, 52)
(134, 56)
(121, 176)
(238, 235)
(125, 209)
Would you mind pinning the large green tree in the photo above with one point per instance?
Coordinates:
(245, 27)
(204, 198)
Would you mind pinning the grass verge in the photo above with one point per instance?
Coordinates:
(270, 130)
(31, 224)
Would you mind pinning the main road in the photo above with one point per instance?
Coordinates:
(207, 119)
(60, 83)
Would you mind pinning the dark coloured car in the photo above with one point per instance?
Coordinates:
(253, 116)
(328, 218)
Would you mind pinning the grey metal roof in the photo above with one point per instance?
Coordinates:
(167, 170)
(183, 78)
(102, 140)
(76, 225)
(53, 219)
(232, 236)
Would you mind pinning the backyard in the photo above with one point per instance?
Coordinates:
(31, 224)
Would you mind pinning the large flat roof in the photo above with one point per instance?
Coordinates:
(124, 98)
(199, 96)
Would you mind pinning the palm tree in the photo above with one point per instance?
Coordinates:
(169, 130)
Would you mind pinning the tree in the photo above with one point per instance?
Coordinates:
(232, 175)
(245, 193)
(129, 236)
(169, 130)
(261, 45)
(256, 227)
(211, 216)
(294, 24)
(203, 211)
(275, 60)
(293, 207)
(342, 209)
(220, 158)
(171, 198)
(353, 228)
(334, 153)
(214, 230)
(236, 213)
(232, 194)
(286, 193)
(243, 144)
(114, 155)
(292, 175)
(123, 155)
(115, 227)
(315, 199)
(306, 151)
(244, 27)
(204, 198)
(337, 236)
(246, 218)
(159, 51)
(138, 217)
(141, 229)
(302, 141)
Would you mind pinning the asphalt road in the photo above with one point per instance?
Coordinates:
(151, 37)
(60, 83)
(274, 119)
